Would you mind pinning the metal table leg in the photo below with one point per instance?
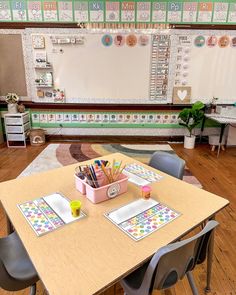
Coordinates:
(221, 137)
(202, 127)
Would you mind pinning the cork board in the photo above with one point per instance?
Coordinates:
(12, 70)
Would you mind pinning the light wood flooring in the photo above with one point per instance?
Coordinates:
(217, 175)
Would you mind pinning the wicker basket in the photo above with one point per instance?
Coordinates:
(37, 137)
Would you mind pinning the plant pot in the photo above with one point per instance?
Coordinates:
(12, 108)
(189, 142)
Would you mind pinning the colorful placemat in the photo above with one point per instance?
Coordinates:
(44, 218)
(141, 172)
(140, 218)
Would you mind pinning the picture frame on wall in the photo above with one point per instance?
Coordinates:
(181, 95)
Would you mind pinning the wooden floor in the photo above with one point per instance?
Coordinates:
(217, 175)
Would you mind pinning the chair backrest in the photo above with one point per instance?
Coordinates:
(168, 163)
(16, 269)
(173, 261)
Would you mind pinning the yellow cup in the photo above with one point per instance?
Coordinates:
(75, 208)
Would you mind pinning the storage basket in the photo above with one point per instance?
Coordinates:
(103, 193)
(37, 137)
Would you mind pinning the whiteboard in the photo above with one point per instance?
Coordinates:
(94, 71)
(211, 70)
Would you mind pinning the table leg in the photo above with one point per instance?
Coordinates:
(221, 137)
(202, 127)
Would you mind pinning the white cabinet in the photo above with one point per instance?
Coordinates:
(17, 127)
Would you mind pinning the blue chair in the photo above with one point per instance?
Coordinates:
(16, 270)
(170, 264)
(168, 163)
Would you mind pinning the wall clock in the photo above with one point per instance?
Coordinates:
(38, 42)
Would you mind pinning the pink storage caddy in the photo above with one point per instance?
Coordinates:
(103, 193)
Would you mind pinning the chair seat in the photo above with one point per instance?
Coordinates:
(16, 260)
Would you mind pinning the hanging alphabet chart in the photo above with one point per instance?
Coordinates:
(48, 213)
(142, 217)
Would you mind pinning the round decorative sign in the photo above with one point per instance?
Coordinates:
(199, 41)
(119, 40)
(233, 42)
(223, 41)
(107, 40)
(143, 40)
(211, 41)
(131, 40)
(113, 190)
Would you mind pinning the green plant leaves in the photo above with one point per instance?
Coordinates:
(191, 117)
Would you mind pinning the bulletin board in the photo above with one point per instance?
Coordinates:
(205, 62)
(12, 70)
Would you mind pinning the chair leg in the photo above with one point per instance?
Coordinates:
(33, 289)
(192, 283)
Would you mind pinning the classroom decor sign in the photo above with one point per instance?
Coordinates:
(119, 11)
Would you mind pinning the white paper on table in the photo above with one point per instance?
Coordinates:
(135, 179)
(130, 210)
(61, 206)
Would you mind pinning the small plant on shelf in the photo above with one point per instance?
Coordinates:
(190, 118)
(12, 100)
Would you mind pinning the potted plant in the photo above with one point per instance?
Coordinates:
(190, 118)
(12, 100)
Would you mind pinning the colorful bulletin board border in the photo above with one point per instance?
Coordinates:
(119, 11)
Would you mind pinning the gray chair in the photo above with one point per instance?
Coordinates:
(16, 270)
(168, 163)
(170, 264)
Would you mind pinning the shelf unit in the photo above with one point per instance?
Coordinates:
(17, 127)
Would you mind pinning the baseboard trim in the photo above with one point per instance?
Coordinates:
(115, 139)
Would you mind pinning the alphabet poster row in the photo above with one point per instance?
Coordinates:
(105, 118)
(118, 11)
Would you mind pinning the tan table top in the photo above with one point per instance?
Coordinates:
(89, 255)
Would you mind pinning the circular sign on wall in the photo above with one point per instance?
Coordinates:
(211, 41)
(199, 41)
(143, 40)
(233, 42)
(107, 40)
(131, 40)
(119, 40)
(223, 41)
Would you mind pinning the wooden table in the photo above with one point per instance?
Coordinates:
(88, 256)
